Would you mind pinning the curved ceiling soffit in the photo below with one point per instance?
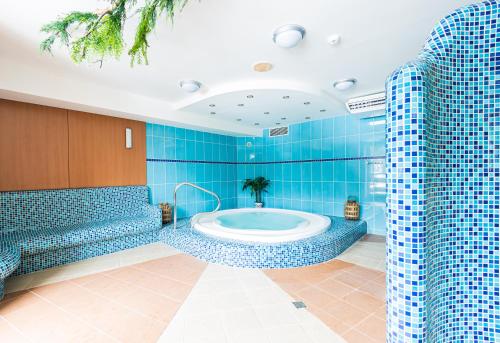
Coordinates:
(241, 86)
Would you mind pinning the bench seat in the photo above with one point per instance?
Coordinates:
(44, 229)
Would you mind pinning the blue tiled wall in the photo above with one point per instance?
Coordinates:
(318, 165)
(443, 176)
(176, 155)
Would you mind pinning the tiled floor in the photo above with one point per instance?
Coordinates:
(153, 292)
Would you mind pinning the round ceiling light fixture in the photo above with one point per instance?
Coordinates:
(343, 85)
(288, 36)
(262, 67)
(190, 86)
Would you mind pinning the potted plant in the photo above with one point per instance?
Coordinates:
(257, 186)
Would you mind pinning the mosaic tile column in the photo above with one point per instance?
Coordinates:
(443, 166)
(406, 236)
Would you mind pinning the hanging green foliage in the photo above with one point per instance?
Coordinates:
(92, 36)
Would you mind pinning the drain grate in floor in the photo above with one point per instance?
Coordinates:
(299, 304)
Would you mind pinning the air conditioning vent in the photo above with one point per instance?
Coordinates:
(278, 131)
(368, 103)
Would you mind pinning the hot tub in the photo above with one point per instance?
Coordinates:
(264, 225)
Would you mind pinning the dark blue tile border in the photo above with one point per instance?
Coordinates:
(268, 162)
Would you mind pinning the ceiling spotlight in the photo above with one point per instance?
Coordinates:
(239, 119)
(212, 105)
(266, 112)
(288, 36)
(278, 123)
(307, 118)
(190, 86)
(256, 124)
(241, 105)
(250, 96)
(286, 97)
(283, 118)
(322, 110)
(212, 112)
(343, 85)
(307, 103)
(262, 67)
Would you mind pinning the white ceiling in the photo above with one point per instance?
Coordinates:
(216, 42)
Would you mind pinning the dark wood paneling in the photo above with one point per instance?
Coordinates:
(33, 147)
(97, 153)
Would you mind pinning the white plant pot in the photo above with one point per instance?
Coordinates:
(259, 205)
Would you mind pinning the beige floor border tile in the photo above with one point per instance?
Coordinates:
(89, 266)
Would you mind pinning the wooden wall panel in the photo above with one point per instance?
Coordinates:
(97, 153)
(33, 147)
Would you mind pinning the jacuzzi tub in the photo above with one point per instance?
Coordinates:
(265, 225)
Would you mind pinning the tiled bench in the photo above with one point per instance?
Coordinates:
(55, 227)
(10, 257)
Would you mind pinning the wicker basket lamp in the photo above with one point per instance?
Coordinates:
(166, 212)
(351, 209)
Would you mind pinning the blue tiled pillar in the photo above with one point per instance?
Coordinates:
(406, 269)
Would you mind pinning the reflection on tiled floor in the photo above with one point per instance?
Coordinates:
(178, 299)
(90, 266)
(128, 304)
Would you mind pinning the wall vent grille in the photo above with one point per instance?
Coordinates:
(278, 131)
(368, 103)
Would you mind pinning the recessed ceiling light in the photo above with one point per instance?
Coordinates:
(190, 86)
(256, 124)
(343, 85)
(307, 103)
(288, 36)
(286, 97)
(308, 118)
(266, 112)
(278, 123)
(239, 119)
(322, 110)
(262, 67)
(212, 105)
(212, 112)
(283, 118)
(250, 96)
(241, 105)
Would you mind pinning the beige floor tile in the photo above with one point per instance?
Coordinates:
(8, 333)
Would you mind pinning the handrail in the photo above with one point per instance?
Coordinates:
(179, 185)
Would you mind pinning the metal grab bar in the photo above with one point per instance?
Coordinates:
(179, 185)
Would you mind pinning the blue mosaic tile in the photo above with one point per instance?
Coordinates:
(443, 177)
(55, 227)
(323, 247)
(10, 258)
